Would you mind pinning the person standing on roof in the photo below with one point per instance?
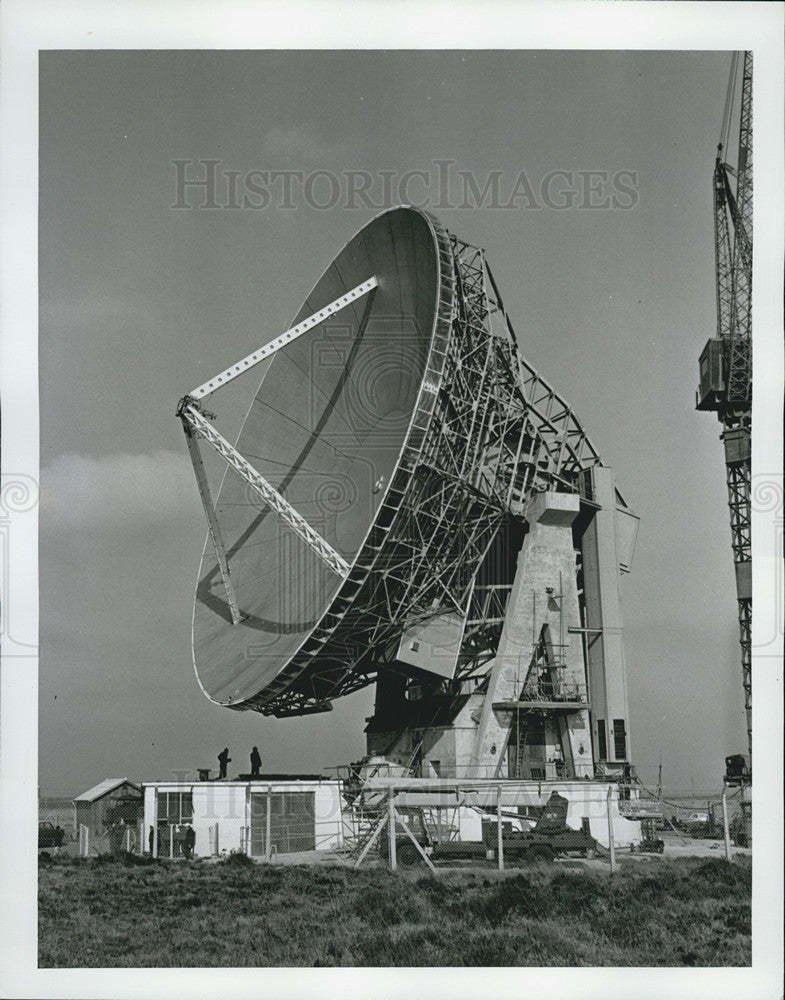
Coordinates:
(256, 762)
(223, 760)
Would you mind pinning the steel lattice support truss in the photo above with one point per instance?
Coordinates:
(487, 431)
(738, 476)
(745, 640)
(733, 247)
(740, 368)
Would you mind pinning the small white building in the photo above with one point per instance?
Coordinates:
(261, 817)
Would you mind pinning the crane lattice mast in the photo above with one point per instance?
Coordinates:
(726, 361)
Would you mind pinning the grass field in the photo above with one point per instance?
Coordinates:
(128, 912)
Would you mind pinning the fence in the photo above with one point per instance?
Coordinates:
(402, 820)
(109, 840)
(439, 826)
(446, 824)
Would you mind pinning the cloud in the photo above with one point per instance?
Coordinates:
(80, 490)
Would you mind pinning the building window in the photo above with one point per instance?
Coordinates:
(602, 740)
(619, 739)
(175, 807)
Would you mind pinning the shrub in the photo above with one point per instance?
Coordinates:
(238, 859)
(131, 860)
(393, 903)
(514, 896)
(574, 893)
(719, 878)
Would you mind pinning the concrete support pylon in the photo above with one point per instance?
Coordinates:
(602, 595)
(542, 607)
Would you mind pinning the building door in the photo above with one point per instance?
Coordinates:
(292, 822)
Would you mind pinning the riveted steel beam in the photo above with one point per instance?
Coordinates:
(285, 339)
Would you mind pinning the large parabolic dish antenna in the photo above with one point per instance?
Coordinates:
(395, 431)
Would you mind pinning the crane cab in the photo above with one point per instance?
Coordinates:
(712, 375)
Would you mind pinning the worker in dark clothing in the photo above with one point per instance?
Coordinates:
(256, 762)
(151, 840)
(188, 841)
(223, 760)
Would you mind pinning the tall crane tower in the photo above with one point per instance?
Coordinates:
(726, 360)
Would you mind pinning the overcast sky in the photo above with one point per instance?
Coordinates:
(140, 302)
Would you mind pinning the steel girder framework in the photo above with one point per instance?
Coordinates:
(487, 431)
(733, 260)
(739, 502)
(740, 366)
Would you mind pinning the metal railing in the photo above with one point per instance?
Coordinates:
(555, 690)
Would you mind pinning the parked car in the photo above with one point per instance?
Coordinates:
(697, 823)
(50, 835)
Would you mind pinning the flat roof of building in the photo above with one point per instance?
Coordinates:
(262, 779)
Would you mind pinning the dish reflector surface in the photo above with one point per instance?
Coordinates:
(326, 428)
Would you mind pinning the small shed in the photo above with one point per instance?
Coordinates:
(111, 803)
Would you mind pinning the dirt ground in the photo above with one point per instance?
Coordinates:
(676, 846)
(687, 847)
